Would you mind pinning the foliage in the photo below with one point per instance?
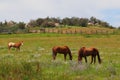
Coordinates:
(84, 22)
(12, 27)
(21, 25)
(15, 27)
(74, 21)
(48, 24)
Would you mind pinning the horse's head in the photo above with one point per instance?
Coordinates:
(70, 57)
(21, 42)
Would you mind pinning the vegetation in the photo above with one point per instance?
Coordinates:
(34, 60)
(21, 27)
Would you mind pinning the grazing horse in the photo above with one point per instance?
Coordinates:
(84, 52)
(15, 45)
(62, 50)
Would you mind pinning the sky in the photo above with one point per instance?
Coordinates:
(26, 10)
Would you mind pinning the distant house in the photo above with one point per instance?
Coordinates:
(90, 23)
(11, 23)
(57, 24)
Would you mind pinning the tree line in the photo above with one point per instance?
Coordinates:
(18, 27)
(74, 21)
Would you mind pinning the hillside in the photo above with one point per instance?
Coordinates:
(74, 30)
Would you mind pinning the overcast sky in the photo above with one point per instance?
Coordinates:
(25, 10)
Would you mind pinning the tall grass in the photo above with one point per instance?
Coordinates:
(34, 60)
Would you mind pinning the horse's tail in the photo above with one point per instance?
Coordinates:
(69, 52)
(99, 59)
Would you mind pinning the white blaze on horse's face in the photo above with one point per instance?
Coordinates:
(21, 43)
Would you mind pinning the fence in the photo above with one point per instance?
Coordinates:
(74, 31)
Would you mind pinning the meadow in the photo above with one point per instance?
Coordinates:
(34, 60)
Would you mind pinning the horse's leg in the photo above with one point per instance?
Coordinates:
(9, 48)
(85, 59)
(91, 59)
(94, 59)
(79, 59)
(65, 56)
(18, 48)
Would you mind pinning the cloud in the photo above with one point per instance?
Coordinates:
(24, 10)
(112, 16)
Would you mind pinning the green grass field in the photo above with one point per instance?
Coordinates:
(34, 60)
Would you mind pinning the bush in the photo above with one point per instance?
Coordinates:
(48, 24)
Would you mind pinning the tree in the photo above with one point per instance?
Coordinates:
(66, 21)
(32, 23)
(119, 27)
(1, 24)
(21, 25)
(75, 21)
(39, 21)
(104, 24)
(83, 22)
(48, 24)
(93, 20)
(5, 23)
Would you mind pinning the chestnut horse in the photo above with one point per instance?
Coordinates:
(84, 52)
(62, 50)
(15, 45)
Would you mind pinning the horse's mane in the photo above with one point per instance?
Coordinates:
(82, 49)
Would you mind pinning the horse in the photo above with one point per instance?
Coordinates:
(15, 45)
(62, 50)
(84, 52)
